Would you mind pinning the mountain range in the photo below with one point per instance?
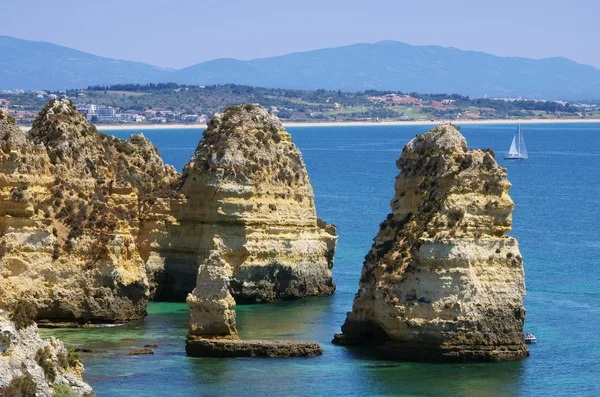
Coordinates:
(385, 65)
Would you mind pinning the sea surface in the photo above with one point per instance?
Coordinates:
(352, 170)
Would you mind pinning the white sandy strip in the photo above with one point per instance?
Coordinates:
(142, 127)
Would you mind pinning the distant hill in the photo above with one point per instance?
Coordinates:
(34, 65)
(386, 65)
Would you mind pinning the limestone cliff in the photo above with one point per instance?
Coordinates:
(443, 281)
(248, 196)
(71, 204)
(251, 208)
(30, 366)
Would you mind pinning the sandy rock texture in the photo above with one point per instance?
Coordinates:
(443, 281)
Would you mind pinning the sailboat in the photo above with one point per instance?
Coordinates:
(517, 149)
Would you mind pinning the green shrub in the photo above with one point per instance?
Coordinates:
(23, 314)
(68, 358)
(62, 391)
(44, 359)
(55, 251)
(21, 386)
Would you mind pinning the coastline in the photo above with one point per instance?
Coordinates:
(139, 127)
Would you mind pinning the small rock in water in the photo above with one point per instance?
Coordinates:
(152, 345)
(140, 352)
(82, 350)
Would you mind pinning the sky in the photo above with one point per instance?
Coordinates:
(180, 33)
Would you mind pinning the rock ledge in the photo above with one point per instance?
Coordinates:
(201, 347)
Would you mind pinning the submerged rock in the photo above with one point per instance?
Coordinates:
(71, 204)
(443, 281)
(141, 352)
(30, 366)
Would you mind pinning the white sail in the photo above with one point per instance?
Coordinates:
(517, 149)
(513, 147)
(522, 148)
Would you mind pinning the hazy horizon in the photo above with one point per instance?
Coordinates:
(161, 34)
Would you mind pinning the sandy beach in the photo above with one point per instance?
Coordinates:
(141, 127)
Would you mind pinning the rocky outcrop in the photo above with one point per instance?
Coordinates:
(257, 237)
(248, 196)
(443, 281)
(30, 366)
(72, 205)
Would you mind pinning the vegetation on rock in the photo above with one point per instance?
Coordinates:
(20, 386)
(23, 314)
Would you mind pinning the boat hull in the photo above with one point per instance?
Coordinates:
(506, 157)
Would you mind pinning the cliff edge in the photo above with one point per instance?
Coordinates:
(443, 281)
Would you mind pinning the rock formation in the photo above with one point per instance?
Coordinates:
(71, 204)
(92, 227)
(30, 366)
(443, 281)
(251, 206)
(249, 197)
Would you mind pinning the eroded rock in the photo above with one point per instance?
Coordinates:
(247, 184)
(29, 363)
(251, 207)
(443, 281)
(71, 204)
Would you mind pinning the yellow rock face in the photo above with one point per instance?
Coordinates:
(71, 204)
(443, 281)
(250, 204)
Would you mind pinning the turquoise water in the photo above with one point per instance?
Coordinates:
(352, 170)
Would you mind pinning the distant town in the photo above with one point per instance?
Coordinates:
(95, 113)
(176, 104)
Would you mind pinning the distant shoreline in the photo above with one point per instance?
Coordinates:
(141, 127)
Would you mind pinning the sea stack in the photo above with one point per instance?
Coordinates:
(72, 200)
(443, 282)
(252, 206)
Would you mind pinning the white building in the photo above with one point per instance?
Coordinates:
(106, 112)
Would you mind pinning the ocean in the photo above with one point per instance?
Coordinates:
(352, 170)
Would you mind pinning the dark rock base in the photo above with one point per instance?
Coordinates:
(454, 354)
(400, 351)
(263, 284)
(199, 347)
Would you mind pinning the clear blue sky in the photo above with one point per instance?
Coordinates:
(179, 33)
